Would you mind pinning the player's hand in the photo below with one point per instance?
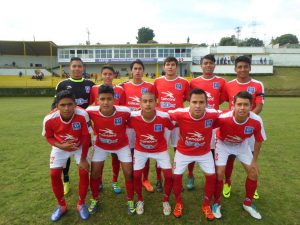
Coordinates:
(84, 164)
(68, 146)
(254, 167)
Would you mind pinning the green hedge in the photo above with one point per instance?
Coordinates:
(27, 92)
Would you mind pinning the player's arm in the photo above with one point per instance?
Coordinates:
(258, 108)
(257, 146)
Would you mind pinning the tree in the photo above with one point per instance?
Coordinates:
(285, 39)
(203, 45)
(228, 41)
(145, 34)
(253, 42)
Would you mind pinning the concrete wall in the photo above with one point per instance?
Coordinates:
(24, 61)
(29, 72)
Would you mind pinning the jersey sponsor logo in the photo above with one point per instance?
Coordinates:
(194, 140)
(80, 101)
(117, 96)
(178, 86)
(69, 87)
(208, 123)
(134, 100)
(68, 138)
(87, 89)
(107, 133)
(157, 127)
(248, 130)
(148, 141)
(118, 121)
(209, 96)
(144, 90)
(107, 141)
(233, 139)
(76, 126)
(167, 105)
(216, 85)
(251, 90)
(168, 96)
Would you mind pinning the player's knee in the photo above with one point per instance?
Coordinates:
(253, 173)
(55, 173)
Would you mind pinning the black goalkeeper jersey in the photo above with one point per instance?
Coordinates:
(81, 89)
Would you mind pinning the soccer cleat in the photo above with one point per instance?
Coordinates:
(178, 210)
(256, 195)
(166, 208)
(83, 212)
(207, 212)
(190, 183)
(158, 186)
(116, 188)
(93, 206)
(216, 209)
(58, 213)
(131, 208)
(226, 190)
(66, 187)
(252, 211)
(139, 207)
(148, 186)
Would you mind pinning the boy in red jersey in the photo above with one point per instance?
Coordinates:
(134, 90)
(149, 125)
(107, 74)
(243, 82)
(213, 86)
(235, 127)
(195, 124)
(67, 131)
(109, 125)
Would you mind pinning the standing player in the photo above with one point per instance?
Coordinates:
(243, 82)
(213, 86)
(109, 124)
(66, 129)
(133, 91)
(149, 125)
(81, 88)
(235, 127)
(171, 92)
(195, 125)
(107, 74)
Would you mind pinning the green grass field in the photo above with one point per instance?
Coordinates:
(26, 196)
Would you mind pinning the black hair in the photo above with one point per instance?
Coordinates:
(170, 59)
(76, 59)
(138, 61)
(109, 67)
(208, 57)
(243, 95)
(64, 94)
(242, 58)
(104, 88)
(197, 91)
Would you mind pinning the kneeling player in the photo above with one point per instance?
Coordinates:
(66, 129)
(195, 125)
(109, 124)
(234, 128)
(149, 125)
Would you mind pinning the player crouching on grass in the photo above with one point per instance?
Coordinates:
(109, 124)
(67, 129)
(195, 125)
(149, 125)
(235, 127)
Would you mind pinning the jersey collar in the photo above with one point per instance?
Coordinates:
(78, 81)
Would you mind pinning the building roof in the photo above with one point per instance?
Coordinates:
(34, 48)
(129, 45)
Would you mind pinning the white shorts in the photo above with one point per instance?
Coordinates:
(213, 139)
(172, 136)
(124, 154)
(131, 137)
(251, 141)
(140, 159)
(59, 157)
(205, 162)
(241, 151)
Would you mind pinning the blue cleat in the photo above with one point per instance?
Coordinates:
(83, 212)
(190, 183)
(116, 188)
(58, 213)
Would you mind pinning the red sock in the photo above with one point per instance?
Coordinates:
(250, 186)
(191, 169)
(115, 163)
(168, 184)
(209, 189)
(218, 191)
(177, 187)
(146, 170)
(57, 186)
(129, 189)
(83, 185)
(137, 180)
(228, 169)
(95, 183)
(158, 172)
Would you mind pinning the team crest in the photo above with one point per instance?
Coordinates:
(118, 121)
(76, 126)
(178, 86)
(251, 90)
(157, 127)
(144, 90)
(117, 96)
(87, 89)
(208, 123)
(216, 85)
(248, 130)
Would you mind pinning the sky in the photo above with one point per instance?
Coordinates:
(66, 22)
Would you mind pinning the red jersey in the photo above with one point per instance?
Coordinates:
(133, 93)
(213, 88)
(119, 95)
(110, 131)
(232, 132)
(171, 94)
(254, 87)
(150, 135)
(195, 134)
(76, 130)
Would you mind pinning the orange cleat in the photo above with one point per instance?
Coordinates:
(148, 186)
(207, 212)
(178, 210)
